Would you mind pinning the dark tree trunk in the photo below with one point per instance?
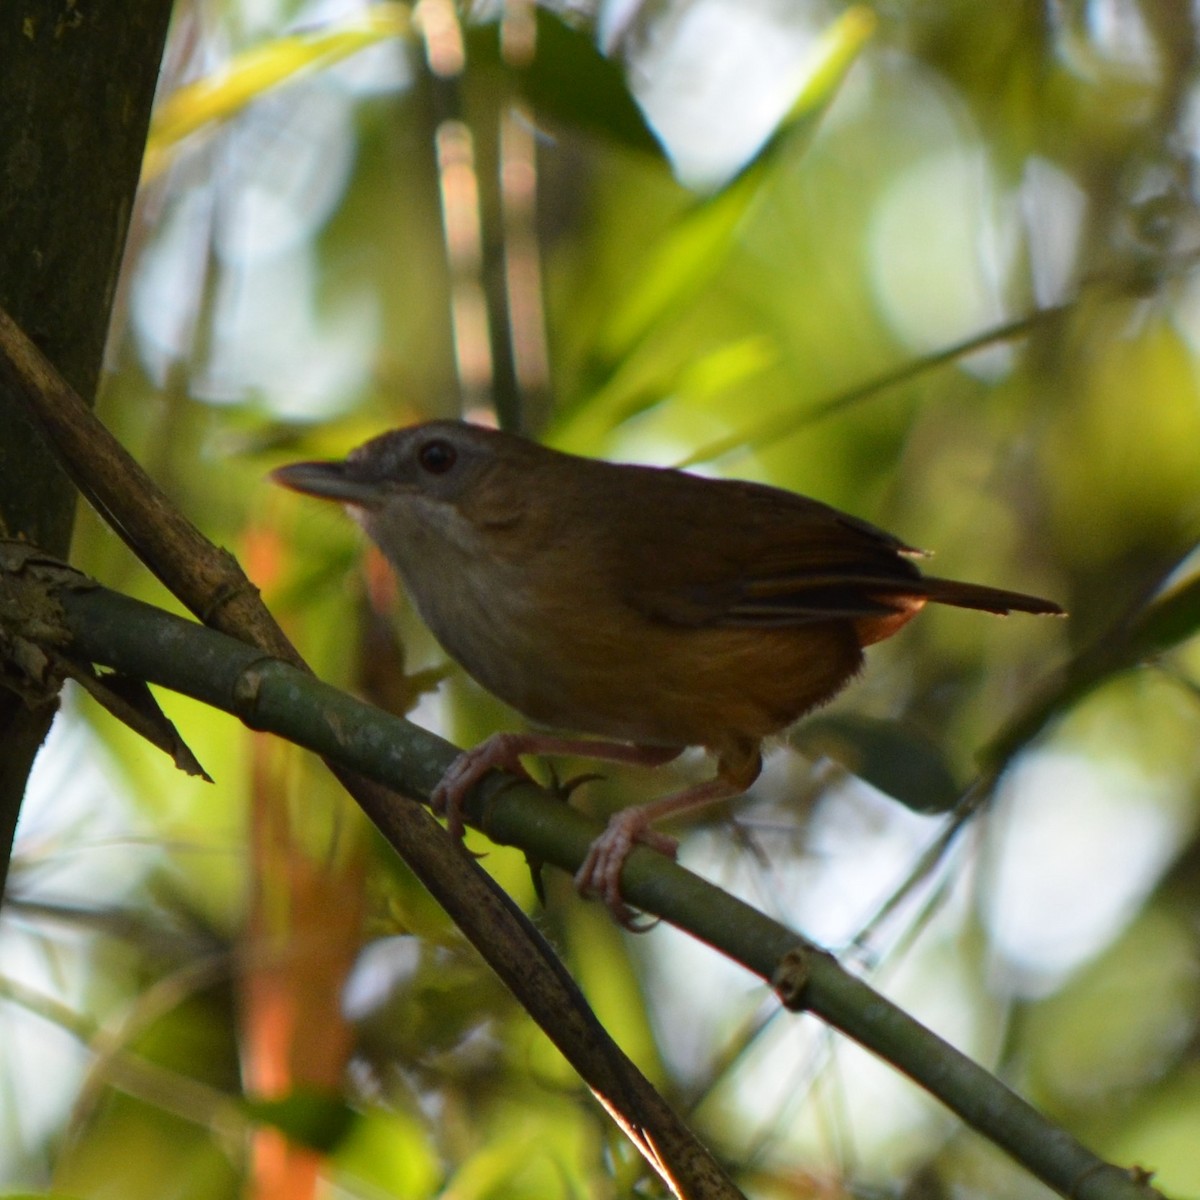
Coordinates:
(76, 85)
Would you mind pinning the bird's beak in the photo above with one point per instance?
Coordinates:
(331, 481)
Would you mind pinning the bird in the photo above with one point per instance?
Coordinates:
(628, 612)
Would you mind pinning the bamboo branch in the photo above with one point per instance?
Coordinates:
(267, 694)
(211, 584)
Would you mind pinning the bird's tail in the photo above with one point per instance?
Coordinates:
(987, 599)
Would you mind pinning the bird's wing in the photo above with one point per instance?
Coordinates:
(734, 554)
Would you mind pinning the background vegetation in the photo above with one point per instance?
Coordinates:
(930, 263)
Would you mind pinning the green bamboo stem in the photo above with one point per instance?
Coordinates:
(268, 694)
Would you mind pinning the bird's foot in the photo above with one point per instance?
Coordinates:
(501, 752)
(600, 874)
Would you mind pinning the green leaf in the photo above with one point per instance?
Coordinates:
(570, 81)
(888, 755)
(1165, 623)
(389, 1154)
(699, 243)
(259, 70)
(317, 1119)
(638, 386)
(1168, 621)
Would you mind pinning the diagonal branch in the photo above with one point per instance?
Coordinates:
(211, 584)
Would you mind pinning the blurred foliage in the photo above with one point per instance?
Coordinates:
(746, 236)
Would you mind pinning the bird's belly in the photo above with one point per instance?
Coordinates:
(650, 683)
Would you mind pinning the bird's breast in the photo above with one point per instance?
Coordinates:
(547, 631)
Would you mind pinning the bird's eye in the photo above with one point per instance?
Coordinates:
(437, 456)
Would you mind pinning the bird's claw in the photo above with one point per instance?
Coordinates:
(600, 874)
(449, 798)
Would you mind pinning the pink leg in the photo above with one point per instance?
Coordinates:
(601, 871)
(502, 751)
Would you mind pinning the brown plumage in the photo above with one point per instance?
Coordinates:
(640, 604)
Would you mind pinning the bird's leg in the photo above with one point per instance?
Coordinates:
(502, 751)
(600, 875)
